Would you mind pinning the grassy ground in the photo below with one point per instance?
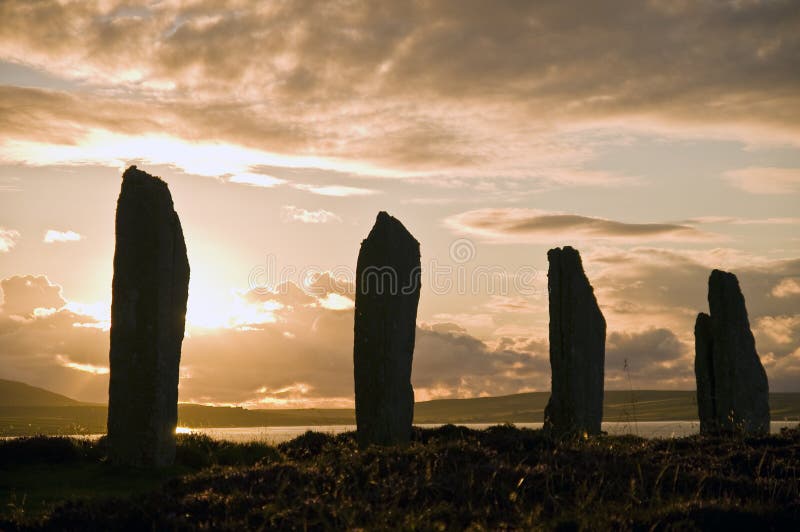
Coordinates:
(448, 478)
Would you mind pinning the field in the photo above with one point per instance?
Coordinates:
(450, 477)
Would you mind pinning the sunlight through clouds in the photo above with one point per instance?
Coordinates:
(8, 239)
(86, 368)
(336, 190)
(210, 159)
(335, 301)
(228, 311)
(256, 180)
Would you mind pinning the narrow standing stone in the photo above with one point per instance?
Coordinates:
(739, 391)
(148, 313)
(577, 348)
(704, 373)
(387, 295)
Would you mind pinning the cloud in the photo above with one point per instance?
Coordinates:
(506, 304)
(650, 298)
(789, 287)
(335, 190)
(777, 340)
(653, 356)
(781, 330)
(414, 87)
(765, 180)
(256, 180)
(647, 286)
(336, 302)
(8, 239)
(307, 349)
(532, 225)
(23, 294)
(61, 236)
(296, 214)
(732, 220)
(340, 281)
(87, 368)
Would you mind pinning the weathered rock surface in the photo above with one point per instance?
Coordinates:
(704, 372)
(148, 312)
(577, 348)
(732, 387)
(387, 295)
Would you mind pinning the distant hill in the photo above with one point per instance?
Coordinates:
(17, 394)
(26, 410)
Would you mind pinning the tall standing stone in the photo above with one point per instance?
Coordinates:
(577, 348)
(148, 313)
(732, 387)
(387, 295)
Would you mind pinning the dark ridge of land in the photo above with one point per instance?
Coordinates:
(619, 406)
(19, 394)
(447, 478)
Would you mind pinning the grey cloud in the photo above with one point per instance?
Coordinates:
(516, 224)
(640, 353)
(421, 85)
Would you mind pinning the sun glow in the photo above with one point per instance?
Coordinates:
(100, 311)
(86, 368)
(335, 301)
(230, 311)
(211, 159)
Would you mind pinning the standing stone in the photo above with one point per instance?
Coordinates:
(577, 348)
(704, 372)
(148, 313)
(387, 294)
(731, 381)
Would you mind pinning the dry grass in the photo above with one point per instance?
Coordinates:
(448, 478)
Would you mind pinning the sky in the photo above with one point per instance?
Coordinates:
(660, 138)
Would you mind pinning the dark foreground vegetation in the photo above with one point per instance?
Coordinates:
(448, 478)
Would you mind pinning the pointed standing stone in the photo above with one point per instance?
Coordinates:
(148, 312)
(731, 380)
(387, 294)
(577, 348)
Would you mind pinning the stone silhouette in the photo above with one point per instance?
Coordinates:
(704, 371)
(387, 295)
(732, 387)
(148, 313)
(577, 348)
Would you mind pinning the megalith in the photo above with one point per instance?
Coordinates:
(577, 348)
(148, 312)
(732, 387)
(387, 295)
(704, 372)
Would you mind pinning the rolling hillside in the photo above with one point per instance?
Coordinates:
(28, 410)
(18, 394)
